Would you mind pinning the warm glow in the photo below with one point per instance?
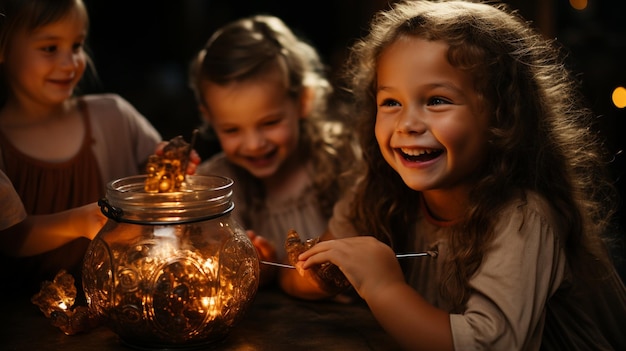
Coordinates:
(578, 4)
(210, 303)
(619, 97)
(210, 266)
(62, 306)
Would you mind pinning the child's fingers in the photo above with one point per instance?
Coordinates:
(191, 168)
(317, 255)
(194, 157)
(251, 234)
(194, 161)
(264, 248)
(316, 249)
(159, 148)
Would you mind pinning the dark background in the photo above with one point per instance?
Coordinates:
(141, 50)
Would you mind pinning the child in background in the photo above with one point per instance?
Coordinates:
(58, 149)
(476, 146)
(263, 92)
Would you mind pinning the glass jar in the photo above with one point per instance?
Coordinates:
(170, 270)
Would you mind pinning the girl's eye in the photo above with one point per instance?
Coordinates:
(49, 49)
(437, 101)
(271, 122)
(229, 131)
(389, 103)
(77, 47)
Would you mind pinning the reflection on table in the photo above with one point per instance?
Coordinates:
(274, 322)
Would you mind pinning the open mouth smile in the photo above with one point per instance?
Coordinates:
(260, 161)
(419, 155)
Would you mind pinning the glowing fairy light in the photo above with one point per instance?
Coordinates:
(578, 4)
(619, 97)
(210, 303)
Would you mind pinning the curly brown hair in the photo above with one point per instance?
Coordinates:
(542, 136)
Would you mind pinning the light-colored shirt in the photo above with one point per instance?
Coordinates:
(273, 219)
(524, 294)
(11, 208)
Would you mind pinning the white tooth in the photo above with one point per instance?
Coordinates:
(415, 152)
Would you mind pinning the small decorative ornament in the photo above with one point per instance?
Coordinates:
(56, 300)
(328, 276)
(166, 172)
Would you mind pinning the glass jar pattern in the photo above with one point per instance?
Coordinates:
(170, 270)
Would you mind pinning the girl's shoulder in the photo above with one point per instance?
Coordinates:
(530, 201)
(107, 102)
(530, 210)
(216, 164)
(113, 111)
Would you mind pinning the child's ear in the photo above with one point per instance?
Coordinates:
(307, 101)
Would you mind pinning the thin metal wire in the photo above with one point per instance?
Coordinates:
(277, 264)
(432, 254)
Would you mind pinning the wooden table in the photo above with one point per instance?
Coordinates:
(274, 322)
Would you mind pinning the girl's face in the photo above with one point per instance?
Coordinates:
(430, 124)
(256, 122)
(44, 66)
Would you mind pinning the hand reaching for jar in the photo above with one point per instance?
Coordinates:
(266, 252)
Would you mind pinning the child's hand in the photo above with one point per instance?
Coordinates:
(266, 252)
(194, 161)
(86, 220)
(365, 261)
(95, 220)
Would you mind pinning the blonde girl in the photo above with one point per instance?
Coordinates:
(264, 94)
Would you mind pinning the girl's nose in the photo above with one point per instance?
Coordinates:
(255, 141)
(411, 121)
(69, 60)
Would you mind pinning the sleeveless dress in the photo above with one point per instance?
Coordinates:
(47, 187)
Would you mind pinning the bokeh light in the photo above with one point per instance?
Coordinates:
(619, 97)
(578, 4)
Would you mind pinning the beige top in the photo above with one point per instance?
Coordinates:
(123, 137)
(273, 219)
(523, 295)
(11, 209)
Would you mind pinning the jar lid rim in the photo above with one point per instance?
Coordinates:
(202, 198)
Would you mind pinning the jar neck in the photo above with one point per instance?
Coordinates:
(201, 198)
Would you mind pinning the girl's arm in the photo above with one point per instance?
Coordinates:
(374, 272)
(409, 319)
(41, 233)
